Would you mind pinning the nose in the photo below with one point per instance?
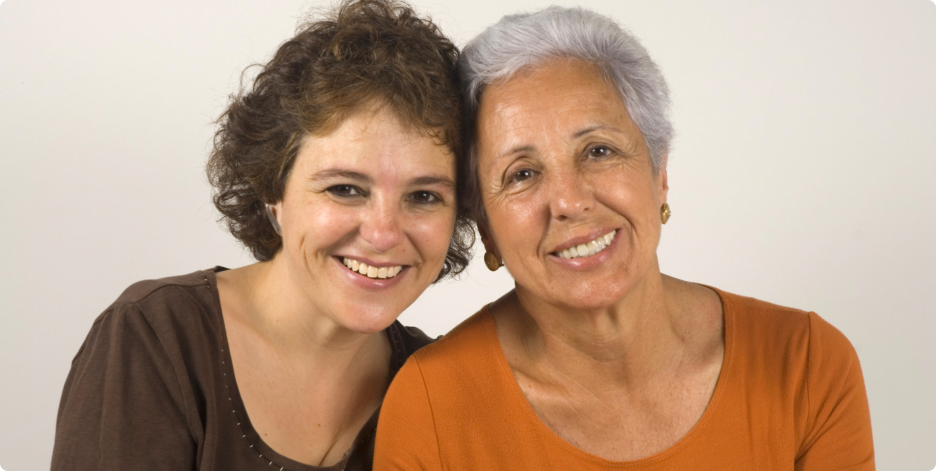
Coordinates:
(381, 227)
(571, 196)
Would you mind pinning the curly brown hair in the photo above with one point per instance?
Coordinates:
(364, 51)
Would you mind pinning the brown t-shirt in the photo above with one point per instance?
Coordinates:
(152, 388)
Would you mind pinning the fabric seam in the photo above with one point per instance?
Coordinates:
(435, 430)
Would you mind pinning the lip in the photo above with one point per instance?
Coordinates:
(582, 239)
(371, 284)
(586, 263)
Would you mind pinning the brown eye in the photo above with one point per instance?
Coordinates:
(599, 152)
(345, 191)
(425, 197)
(522, 175)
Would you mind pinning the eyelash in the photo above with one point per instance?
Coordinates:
(514, 179)
(608, 151)
(433, 197)
(342, 191)
(419, 197)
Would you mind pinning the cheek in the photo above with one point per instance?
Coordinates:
(320, 223)
(517, 221)
(628, 194)
(431, 234)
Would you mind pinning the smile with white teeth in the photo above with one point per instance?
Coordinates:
(369, 271)
(588, 248)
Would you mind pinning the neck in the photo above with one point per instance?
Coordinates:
(306, 380)
(273, 303)
(626, 344)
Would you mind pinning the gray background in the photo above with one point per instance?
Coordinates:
(802, 173)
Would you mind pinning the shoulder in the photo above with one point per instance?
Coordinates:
(772, 325)
(151, 331)
(172, 289)
(457, 359)
(412, 338)
(166, 303)
(457, 370)
(748, 309)
(462, 371)
(140, 378)
(752, 324)
(157, 330)
(810, 376)
(765, 342)
(170, 316)
(468, 344)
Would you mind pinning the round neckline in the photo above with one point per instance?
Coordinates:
(235, 402)
(696, 430)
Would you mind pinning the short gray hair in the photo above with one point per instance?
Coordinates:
(525, 40)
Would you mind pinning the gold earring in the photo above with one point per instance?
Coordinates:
(665, 213)
(492, 261)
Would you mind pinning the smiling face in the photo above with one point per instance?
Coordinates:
(571, 198)
(367, 216)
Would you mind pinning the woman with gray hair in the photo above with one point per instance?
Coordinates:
(596, 360)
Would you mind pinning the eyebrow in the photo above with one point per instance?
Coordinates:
(333, 173)
(341, 173)
(593, 128)
(515, 150)
(576, 135)
(433, 180)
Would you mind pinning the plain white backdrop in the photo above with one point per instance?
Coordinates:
(802, 174)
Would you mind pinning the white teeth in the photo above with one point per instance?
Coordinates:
(588, 249)
(369, 271)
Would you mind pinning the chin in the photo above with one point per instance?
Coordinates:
(590, 304)
(367, 321)
(591, 298)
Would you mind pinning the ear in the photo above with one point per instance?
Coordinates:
(664, 184)
(486, 238)
(272, 212)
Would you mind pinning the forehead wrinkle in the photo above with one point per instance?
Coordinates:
(518, 134)
(505, 109)
(560, 111)
(589, 129)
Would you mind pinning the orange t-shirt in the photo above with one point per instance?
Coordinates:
(790, 395)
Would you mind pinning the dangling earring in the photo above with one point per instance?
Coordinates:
(665, 213)
(273, 221)
(492, 261)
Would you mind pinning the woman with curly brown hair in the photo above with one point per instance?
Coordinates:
(337, 170)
